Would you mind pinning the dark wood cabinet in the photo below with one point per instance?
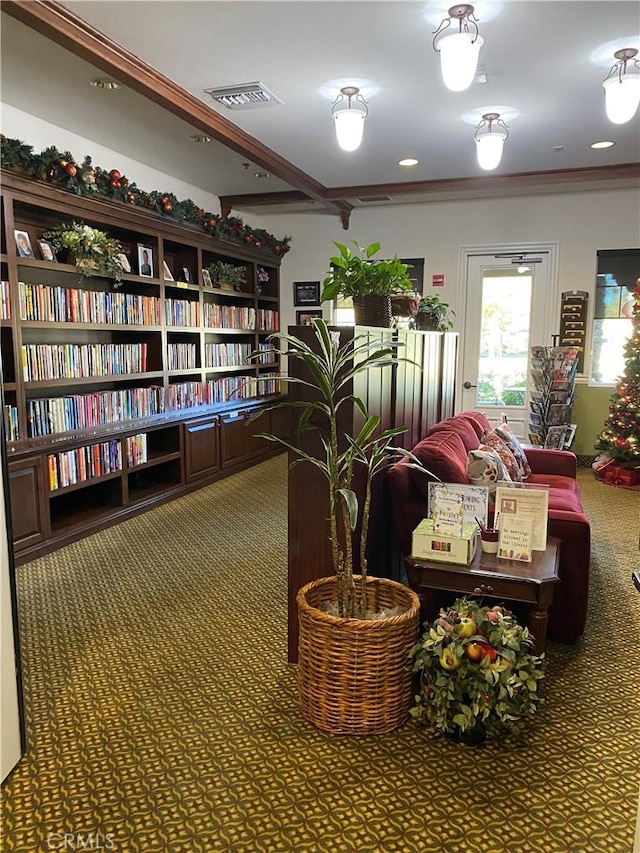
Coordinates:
(202, 448)
(416, 392)
(119, 397)
(28, 503)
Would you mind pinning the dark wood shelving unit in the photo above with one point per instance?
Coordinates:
(187, 447)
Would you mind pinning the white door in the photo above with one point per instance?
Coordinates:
(506, 312)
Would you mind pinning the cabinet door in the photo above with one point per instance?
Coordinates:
(202, 448)
(239, 440)
(28, 503)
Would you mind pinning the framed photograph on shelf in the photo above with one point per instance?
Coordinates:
(306, 292)
(46, 251)
(186, 275)
(23, 244)
(206, 278)
(145, 261)
(306, 318)
(166, 272)
(123, 260)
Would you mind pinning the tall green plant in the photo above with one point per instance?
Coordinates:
(330, 371)
(358, 275)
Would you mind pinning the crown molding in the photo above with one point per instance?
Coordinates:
(61, 26)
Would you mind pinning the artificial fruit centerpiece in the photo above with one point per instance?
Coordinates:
(476, 673)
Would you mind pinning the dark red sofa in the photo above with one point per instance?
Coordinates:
(444, 452)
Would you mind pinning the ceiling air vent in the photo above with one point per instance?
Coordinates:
(373, 198)
(248, 96)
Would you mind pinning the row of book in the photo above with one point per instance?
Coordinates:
(268, 320)
(182, 312)
(48, 303)
(229, 316)
(226, 355)
(42, 362)
(137, 449)
(5, 304)
(185, 395)
(182, 356)
(69, 467)
(51, 415)
(11, 423)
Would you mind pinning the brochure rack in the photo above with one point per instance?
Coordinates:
(553, 372)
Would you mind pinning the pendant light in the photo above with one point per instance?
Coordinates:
(622, 87)
(458, 51)
(349, 111)
(490, 137)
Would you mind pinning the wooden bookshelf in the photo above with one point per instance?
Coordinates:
(81, 357)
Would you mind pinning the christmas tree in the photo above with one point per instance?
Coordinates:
(620, 438)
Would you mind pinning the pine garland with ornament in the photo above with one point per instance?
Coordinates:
(620, 438)
(63, 170)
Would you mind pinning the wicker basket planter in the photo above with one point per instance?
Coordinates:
(354, 675)
(372, 310)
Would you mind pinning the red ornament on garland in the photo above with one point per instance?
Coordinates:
(114, 174)
(71, 170)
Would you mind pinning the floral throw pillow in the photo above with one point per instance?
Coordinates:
(485, 468)
(505, 433)
(491, 439)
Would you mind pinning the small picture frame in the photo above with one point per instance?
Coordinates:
(123, 260)
(46, 251)
(166, 272)
(206, 278)
(306, 318)
(306, 292)
(23, 244)
(186, 275)
(145, 261)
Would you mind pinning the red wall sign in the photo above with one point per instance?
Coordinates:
(437, 279)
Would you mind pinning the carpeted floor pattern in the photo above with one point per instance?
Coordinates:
(162, 714)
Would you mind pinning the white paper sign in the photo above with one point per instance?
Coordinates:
(524, 503)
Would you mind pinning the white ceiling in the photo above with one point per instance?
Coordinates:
(545, 60)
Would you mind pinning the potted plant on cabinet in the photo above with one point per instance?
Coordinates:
(227, 276)
(369, 283)
(356, 631)
(434, 315)
(477, 675)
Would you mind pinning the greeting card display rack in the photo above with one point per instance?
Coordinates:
(553, 372)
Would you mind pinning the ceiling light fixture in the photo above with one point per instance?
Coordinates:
(459, 51)
(622, 87)
(408, 161)
(606, 143)
(490, 137)
(109, 85)
(349, 117)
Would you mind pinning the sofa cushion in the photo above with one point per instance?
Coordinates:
(462, 427)
(478, 420)
(556, 481)
(493, 440)
(506, 434)
(564, 500)
(442, 454)
(485, 468)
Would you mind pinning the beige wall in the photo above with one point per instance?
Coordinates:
(580, 222)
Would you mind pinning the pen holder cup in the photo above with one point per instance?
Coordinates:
(489, 541)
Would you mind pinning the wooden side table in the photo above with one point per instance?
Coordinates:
(532, 583)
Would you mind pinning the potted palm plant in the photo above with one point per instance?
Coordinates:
(356, 631)
(434, 315)
(368, 282)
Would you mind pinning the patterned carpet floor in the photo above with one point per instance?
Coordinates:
(162, 715)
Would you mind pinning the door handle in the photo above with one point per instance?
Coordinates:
(468, 385)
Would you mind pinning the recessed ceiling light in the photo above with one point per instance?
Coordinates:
(105, 84)
(408, 161)
(261, 175)
(604, 144)
(200, 138)
(558, 148)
